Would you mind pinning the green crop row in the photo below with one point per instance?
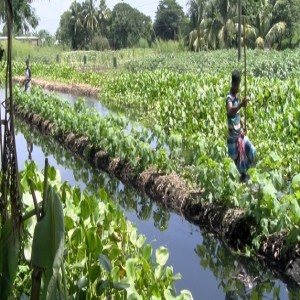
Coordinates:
(112, 134)
(259, 63)
(209, 168)
(61, 73)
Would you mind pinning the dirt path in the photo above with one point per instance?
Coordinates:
(74, 89)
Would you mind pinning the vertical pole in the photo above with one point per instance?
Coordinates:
(239, 29)
(245, 70)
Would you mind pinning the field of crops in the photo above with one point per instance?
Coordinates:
(181, 98)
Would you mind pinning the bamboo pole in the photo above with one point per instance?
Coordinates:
(245, 72)
(239, 29)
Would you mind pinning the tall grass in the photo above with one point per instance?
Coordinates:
(164, 47)
(22, 50)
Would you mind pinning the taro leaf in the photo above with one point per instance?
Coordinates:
(130, 268)
(9, 256)
(269, 189)
(121, 285)
(187, 295)
(105, 263)
(48, 243)
(82, 282)
(162, 255)
(296, 182)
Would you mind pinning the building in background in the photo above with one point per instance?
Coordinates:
(34, 40)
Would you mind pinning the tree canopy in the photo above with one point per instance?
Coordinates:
(214, 23)
(169, 18)
(91, 25)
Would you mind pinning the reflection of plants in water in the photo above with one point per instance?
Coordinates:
(95, 180)
(145, 207)
(161, 218)
(240, 278)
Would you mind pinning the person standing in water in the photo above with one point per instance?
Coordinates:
(27, 81)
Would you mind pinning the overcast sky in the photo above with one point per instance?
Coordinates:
(49, 12)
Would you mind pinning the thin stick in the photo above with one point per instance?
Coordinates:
(245, 72)
(45, 184)
(36, 206)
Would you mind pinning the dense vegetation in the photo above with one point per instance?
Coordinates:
(104, 255)
(188, 124)
(208, 24)
(268, 23)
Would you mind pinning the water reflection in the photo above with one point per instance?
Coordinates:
(236, 277)
(125, 196)
(239, 277)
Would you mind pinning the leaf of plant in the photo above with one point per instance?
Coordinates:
(121, 285)
(162, 255)
(130, 268)
(48, 243)
(9, 249)
(105, 263)
(82, 282)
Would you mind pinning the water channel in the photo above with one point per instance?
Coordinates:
(208, 269)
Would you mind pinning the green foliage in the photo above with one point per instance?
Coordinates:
(110, 134)
(61, 73)
(81, 23)
(185, 103)
(128, 26)
(105, 256)
(48, 243)
(268, 23)
(168, 20)
(22, 50)
(24, 16)
(10, 247)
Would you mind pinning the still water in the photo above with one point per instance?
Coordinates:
(208, 269)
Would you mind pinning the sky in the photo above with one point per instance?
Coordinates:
(49, 12)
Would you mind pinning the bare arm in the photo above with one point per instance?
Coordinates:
(233, 110)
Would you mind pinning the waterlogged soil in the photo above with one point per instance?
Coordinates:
(209, 270)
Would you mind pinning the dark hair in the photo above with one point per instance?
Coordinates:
(236, 76)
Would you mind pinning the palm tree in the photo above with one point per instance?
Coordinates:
(269, 31)
(91, 18)
(196, 13)
(76, 16)
(104, 14)
(24, 15)
(220, 23)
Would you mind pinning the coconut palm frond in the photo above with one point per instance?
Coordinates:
(260, 43)
(250, 32)
(276, 31)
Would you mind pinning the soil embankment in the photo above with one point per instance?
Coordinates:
(68, 88)
(233, 226)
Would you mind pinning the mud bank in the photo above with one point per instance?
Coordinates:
(75, 89)
(232, 226)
